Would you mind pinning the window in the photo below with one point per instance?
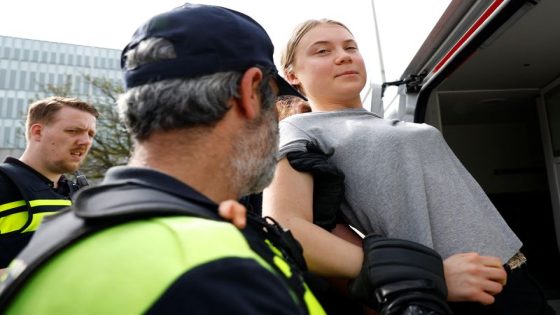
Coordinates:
(42, 78)
(12, 85)
(2, 79)
(61, 58)
(53, 57)
(21, 110)
(77, 85)
(85, 88)
(35, 56)
(44, 56)
(26, 54)
(10, 108)
(7, 51)
(20, 138)
(32, 81)
(22, 77)
(69, 79)
(7, 136)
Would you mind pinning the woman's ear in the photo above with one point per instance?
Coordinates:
(292, 78)
(249, 102)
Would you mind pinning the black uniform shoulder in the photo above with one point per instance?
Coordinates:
(32, 182)
(8, 190)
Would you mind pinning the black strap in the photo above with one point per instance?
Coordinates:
(11, 173)
(290, 248)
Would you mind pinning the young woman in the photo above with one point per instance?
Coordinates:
(402, 181)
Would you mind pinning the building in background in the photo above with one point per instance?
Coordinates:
(28, 67)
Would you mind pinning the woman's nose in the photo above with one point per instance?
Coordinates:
(343, 57)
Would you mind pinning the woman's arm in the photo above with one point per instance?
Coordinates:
(289, 199)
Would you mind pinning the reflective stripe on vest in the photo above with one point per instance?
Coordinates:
(170, 245)
(15, 221)
(313, 305)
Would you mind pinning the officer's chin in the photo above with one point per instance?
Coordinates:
(72, 166)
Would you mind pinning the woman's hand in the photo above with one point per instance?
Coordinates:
(472, 277)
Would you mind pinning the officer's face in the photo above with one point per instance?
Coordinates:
(66, 141)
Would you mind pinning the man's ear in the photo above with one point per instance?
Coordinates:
(35, 131)
(249, 102)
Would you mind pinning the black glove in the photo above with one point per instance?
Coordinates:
(401, 277)
(328, 184)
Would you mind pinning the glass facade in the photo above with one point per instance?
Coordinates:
(28, 66)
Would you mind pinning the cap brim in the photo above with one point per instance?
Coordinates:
(285, 88)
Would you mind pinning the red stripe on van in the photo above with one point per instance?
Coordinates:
(469, 33)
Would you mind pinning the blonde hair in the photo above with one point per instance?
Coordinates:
(289, 52)
(44, 110)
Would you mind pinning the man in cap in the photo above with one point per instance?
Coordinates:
(200, 104)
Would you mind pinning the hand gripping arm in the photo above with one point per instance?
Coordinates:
(401, 277)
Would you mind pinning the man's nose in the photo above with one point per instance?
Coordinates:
(85, 139)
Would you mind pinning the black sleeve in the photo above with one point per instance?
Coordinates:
(8, 191)
(10, 244)
(227, 286)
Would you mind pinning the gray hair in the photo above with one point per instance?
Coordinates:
(179, 103)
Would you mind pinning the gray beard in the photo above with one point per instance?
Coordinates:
(254, 159)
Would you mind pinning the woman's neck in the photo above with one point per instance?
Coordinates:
(321, 106)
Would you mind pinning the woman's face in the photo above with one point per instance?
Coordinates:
(329, 66)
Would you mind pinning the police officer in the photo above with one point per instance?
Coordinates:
(201, 86)
(59, 134)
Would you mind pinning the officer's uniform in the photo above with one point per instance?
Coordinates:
(157, 264)
(16, 226)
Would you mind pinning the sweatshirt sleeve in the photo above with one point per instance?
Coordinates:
(292, 138)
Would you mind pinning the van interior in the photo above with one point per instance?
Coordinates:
(499, 110)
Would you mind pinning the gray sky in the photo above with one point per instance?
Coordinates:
(403, 24)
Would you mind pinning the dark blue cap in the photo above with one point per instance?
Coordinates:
(207, 39)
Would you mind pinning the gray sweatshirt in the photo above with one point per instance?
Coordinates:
(403, 181)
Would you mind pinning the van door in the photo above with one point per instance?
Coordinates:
(549, 116)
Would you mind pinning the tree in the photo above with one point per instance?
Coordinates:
(112, 144)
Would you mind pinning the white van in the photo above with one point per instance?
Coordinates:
(488, 76)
